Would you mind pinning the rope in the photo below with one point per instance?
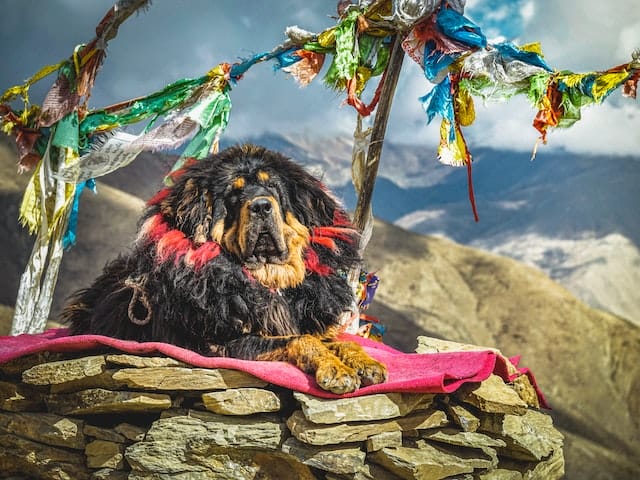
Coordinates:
(139, 296)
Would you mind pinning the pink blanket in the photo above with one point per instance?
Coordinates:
(408, 372)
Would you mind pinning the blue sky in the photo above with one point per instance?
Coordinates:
(185, 38)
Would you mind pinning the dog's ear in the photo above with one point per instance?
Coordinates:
(198, 214)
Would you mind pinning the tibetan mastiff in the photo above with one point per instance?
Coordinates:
(245, 255)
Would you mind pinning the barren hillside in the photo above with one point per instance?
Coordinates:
(587, 361)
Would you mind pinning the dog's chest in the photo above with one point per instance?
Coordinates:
(278, 319)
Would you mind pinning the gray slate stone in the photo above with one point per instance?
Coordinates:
(241, 401)
(362, 409)
(201, 442)
(530, 437)
(208, 462)
(133, 433)
(22, 457)
(260, 431)
(45, 428)
(426, 461)
(17, 366)
(318, 434)
(336, 459)
(463, 417)
(108, 434)
(382, 440)
(180, 378)
(103, 454)
(136, 361)
(20, 398)
(94, 401)
(53, 373)
(492, 396)
(452, 436)
(109, 474)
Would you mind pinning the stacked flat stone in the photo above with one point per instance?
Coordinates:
(117, 416)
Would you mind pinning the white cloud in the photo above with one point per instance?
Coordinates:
(603, 129)
(527, 11)
(503, 126)
(419, 216)
(584, 35)
(629, 39)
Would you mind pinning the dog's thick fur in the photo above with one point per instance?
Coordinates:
(245, 255)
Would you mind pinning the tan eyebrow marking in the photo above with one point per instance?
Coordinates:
(263, 176)
(238, 183)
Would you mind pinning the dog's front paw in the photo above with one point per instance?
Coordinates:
(370, 371)
(353, 355)
(335, 376)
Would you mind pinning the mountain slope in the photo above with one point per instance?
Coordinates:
(587, 361)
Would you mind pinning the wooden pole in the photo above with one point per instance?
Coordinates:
(363, 218)
(363, 207)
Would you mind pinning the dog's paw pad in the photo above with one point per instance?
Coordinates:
(372, 372)
(337, 378)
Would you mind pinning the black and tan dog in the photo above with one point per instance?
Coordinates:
(243, 256)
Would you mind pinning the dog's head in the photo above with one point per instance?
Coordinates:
(258, 205)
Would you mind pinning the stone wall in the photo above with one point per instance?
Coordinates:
(117, 416)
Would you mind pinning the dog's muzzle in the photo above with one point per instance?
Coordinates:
(264, 238)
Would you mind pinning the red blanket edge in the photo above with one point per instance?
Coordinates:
(408, 372)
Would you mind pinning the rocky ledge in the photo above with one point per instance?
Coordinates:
(117, 416)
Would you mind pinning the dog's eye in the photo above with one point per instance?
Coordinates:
(270, 182)
(275, 190)
(234, 196)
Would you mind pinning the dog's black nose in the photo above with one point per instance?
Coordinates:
(261, 206)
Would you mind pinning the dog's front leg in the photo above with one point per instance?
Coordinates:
(307, 352)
